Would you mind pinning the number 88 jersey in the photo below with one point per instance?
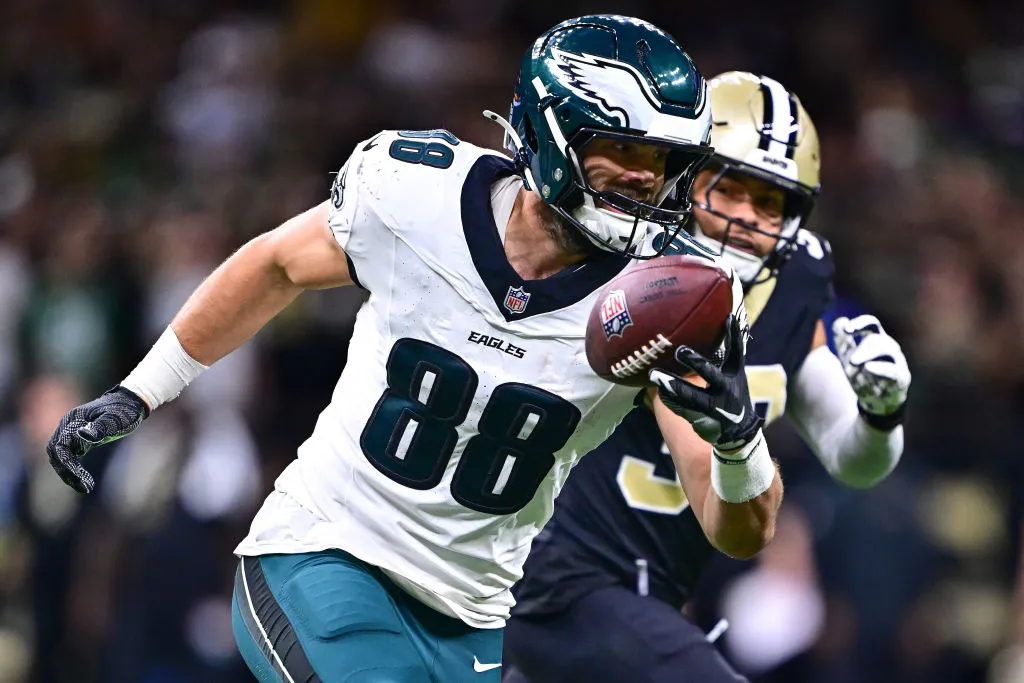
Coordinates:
(467, 396)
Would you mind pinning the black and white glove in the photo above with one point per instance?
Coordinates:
(721, 413)
(117, 413)
(876, 367)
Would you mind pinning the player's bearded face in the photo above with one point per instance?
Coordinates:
(749, 201)
(630, 168)
(567, 238)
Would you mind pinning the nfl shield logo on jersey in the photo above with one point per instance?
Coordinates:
(516, 299)
(615, 314)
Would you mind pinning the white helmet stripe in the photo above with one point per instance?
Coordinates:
(549, 116)
(558, 136)
(783, 123)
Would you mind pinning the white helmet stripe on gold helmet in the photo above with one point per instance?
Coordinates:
(778, 133)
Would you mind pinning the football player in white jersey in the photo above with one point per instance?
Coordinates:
(387, 550)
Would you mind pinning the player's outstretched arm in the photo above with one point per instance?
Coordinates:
(850, 409)
(257, 282)
(735, 489)
(232, 304)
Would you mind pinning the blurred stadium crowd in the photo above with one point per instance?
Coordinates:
(142, 140)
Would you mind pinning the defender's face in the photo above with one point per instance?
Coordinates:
(633, 169)
(749, 201)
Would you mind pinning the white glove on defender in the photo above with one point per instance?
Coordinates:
(874, 363)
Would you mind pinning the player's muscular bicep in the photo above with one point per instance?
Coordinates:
(305, 250)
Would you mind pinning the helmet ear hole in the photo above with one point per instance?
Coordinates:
(531, 135)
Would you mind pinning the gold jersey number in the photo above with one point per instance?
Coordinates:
(644, 490)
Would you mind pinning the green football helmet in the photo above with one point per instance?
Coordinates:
(609, 77)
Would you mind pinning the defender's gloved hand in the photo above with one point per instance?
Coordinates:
(721, 413)
(876, 367)
(115, 414)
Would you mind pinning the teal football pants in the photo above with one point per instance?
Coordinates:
(329, 617)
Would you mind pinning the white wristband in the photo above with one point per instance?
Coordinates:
(165, 371)
(745, 474)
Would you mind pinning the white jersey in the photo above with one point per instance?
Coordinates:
(467, 396)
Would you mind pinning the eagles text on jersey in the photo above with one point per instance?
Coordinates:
(468, 396)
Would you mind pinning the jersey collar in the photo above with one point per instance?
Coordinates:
(505, 285)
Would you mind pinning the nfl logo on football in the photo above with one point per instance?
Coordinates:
(516, 299)
(614, 314)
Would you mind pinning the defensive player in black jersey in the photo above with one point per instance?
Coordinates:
(607, 577)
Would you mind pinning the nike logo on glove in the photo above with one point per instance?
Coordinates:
(732, 417)
(480, 668)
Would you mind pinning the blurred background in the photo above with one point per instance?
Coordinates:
(141, 141)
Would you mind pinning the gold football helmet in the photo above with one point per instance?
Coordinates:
(760, 128)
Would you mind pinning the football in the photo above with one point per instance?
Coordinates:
(650, 309)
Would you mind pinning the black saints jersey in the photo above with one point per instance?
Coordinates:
(623, 503)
